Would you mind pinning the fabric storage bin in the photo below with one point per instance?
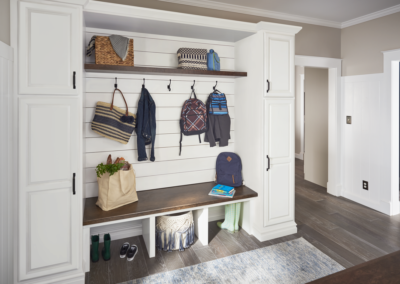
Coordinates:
(175, 232)
(106, 55)
(192, 58)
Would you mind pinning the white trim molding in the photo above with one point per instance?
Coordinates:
(7, 220)
(372, 16)
(299, 155)
(390, 151)
(334, 116)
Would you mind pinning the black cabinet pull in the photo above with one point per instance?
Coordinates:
(73, 81)
(268, 164)
(268, 86)
(73, 184)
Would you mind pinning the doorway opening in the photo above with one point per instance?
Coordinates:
(334, 120)
(311, 123)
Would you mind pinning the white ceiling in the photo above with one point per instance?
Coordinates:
(334, 13)
(331, 10)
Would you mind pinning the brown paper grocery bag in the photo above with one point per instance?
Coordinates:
(117, 190)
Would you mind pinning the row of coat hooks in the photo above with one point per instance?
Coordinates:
(169, 86)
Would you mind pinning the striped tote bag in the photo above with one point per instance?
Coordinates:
(113, 122)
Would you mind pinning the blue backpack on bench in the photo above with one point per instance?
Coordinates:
(229, 169)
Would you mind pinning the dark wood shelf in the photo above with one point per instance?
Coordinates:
(162, 200)
(159, 71)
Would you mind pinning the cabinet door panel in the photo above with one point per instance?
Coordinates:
(279, 191)
(279, 56)
(279, 146)
(49, 222)
(279, 131)
(49, 143)
(49, 49)
(54, 247)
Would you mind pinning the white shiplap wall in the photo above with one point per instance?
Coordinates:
(362, 139)
(197, 161)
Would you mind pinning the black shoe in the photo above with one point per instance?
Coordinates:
(124, 250)
(132, 252)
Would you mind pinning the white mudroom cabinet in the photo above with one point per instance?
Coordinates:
(265, 128)
(56, 95)
(50, 142)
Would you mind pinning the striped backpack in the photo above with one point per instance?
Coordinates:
(193, 118)
(217, 104)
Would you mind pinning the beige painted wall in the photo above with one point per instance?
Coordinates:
(5, 21)
(316, 126)
(298, 110)
(362, 45)
(312, 40)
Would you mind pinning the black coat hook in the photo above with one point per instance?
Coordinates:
(216, 83)
(116, 85)
(194, 82)
(169, 86)
(144, 81)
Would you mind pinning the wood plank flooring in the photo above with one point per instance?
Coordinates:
(348, 232)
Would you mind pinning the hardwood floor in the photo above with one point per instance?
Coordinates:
(344, 230)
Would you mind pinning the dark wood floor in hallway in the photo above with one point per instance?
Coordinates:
(346, 231)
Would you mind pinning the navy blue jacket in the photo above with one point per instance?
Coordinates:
(146, 125)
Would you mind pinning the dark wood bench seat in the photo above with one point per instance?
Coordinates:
(161, 201)
(158, 202)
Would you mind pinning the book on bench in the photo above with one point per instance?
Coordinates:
(222, 191)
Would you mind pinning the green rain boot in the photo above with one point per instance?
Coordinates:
(94, 252)
(106, 253)
(232, 215)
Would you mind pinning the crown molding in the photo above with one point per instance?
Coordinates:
(372, 16)
(255, 12)
(283, 16)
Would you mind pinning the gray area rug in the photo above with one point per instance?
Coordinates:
(295, 261)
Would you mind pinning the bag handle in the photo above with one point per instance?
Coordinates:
(112, 102)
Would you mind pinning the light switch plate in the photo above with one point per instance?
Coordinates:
(348, 119)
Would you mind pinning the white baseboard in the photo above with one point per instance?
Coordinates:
(134, 228)
(276, 231)
(299, 156)
(379, 205)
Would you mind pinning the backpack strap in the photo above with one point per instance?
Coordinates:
(199, 139)
(193, 93)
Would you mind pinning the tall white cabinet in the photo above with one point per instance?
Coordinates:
(50, 143)
(266, 143)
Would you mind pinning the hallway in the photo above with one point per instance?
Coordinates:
(346, 231)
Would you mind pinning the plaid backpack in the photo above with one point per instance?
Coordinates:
(193, 118)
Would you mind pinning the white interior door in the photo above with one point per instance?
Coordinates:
(48, 208)
(279, 67)
(49, 48)
(279, 146)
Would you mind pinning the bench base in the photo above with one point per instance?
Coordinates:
(200, 218)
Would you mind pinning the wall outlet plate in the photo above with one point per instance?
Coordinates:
(348, 119)
(365, 185)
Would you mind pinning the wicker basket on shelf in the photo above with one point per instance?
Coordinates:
(106, 55)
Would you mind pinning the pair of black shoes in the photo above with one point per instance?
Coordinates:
(128, 251)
